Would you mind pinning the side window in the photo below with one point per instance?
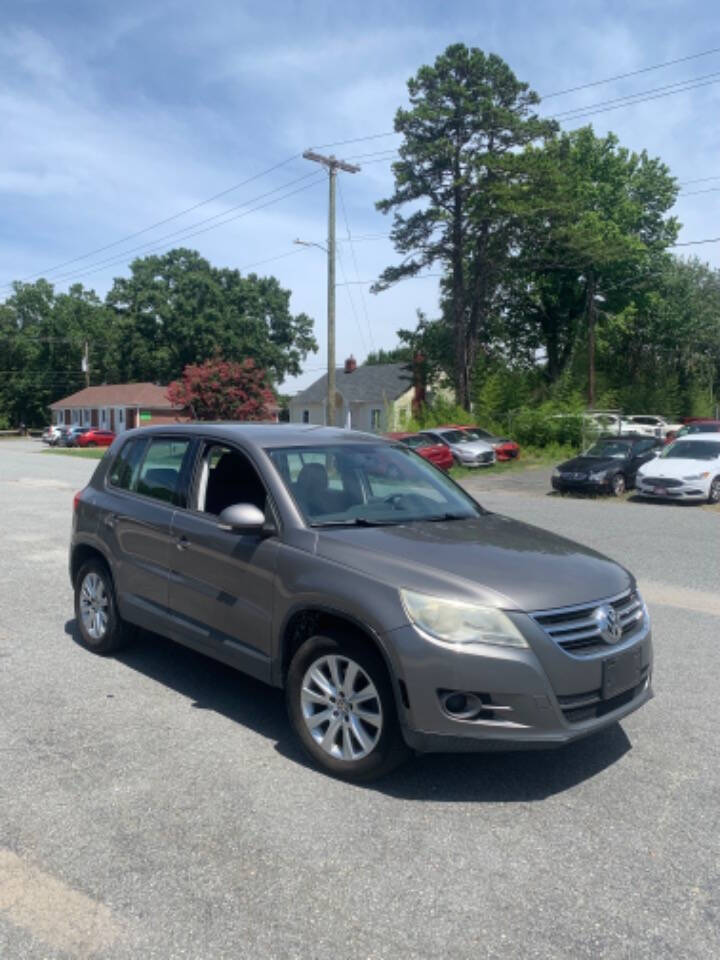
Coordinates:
(228, 477)
(160, 475)
(124, 471)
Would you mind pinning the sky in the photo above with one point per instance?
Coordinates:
(114, 117)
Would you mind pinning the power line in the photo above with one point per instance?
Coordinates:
(160, 223)
(678, 87)
(346, 284)
(357, 271)
(632, 73)
(97, 267)
(685, 183)
(695, 193)
(696, 243)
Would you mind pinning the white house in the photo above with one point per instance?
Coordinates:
(367, 397)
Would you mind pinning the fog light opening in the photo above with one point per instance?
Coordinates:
(461, 705)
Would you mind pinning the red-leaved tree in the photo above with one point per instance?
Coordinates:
(220, 390)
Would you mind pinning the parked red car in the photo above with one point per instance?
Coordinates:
(95, 438)
(694, 425)
(504, 448)
(436, 453)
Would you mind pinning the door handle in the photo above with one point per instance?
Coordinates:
(182, 543)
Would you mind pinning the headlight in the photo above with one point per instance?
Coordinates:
(556, 472)
(599, 476)
(454, 621)
(698, 476)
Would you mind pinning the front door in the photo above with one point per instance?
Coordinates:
(130, 417)
(221, 582)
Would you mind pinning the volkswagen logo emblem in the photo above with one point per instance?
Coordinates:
(609, 625)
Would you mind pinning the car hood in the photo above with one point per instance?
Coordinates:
(589, 464)
(677, 468)
(490, 559)
(474, 446)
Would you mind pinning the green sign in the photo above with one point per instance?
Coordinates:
(145, 415)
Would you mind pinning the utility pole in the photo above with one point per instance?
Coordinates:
(591, 338)
(333, 165)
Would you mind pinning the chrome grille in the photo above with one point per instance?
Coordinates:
(662, 482)
(577, 631)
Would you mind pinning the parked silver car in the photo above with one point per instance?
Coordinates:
(467, 450)
(395, 611)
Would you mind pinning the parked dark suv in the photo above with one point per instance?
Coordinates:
(395, 611)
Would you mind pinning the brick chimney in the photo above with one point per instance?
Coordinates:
(350, 364)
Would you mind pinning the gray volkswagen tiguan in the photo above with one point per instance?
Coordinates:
(396, 612)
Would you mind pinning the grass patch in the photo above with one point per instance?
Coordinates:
(83, 453)
(531, 458)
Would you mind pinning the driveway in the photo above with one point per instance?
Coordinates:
(156, 806)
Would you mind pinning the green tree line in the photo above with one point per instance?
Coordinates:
(171, 311)
(558, 284)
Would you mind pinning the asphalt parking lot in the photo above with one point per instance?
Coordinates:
(156, 805)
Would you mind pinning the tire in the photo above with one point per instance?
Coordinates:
(618, 485)
(714, 494)
(358, 749)
(95, 592)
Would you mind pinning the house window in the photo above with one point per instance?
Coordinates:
(375, 415)
(402, 415)
(306, 416)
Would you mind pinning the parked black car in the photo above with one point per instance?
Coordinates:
(609, 466)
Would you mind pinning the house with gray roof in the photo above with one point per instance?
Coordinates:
(374, 398)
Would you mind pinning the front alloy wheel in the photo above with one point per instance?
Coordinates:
(342, 707)
(617, 485)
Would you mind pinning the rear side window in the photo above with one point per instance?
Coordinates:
(124, 471)
(161, 474)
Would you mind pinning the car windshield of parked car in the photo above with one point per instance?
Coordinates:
(699, 428)
(367, 484)
(608, 448)
(456, 436)
(477, 434)
(417, 441)
(692, 450)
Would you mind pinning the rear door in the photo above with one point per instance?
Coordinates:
(222, 582)
(147, 482)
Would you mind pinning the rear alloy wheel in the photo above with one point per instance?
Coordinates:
(342, 708)
(714, 494)
(617, 485)
(99, 624)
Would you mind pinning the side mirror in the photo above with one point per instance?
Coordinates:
(242, 518)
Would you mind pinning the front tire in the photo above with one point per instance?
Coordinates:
(342, 708)
(618, 485)
(99, 624)
(714, 494)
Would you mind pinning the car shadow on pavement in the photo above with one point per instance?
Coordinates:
(509, 777)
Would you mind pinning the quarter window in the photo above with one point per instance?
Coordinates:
(125, 469)
(161, 474)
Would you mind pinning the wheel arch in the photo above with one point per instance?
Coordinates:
(81, 553)
(306, 621)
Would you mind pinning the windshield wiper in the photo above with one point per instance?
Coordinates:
(358, 522)
(437, 518)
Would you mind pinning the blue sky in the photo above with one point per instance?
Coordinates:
(114, 116)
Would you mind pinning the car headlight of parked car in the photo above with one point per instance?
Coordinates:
(455, 621)
(698, 476)
(599, 477)
(556, 472)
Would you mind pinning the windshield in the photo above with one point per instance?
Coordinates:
(416, 442)
(608, 448)
(456, 436)
(699, 428)
(477, 434)
(692, 450)
(360, 484)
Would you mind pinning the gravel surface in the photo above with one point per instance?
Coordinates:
(156, 806)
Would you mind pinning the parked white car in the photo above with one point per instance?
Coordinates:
(649, 425)
(51, 434)
(466, 451)
(687, 469)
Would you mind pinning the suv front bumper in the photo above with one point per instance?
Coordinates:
(540, 696)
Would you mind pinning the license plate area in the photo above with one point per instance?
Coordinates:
(622, 672)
